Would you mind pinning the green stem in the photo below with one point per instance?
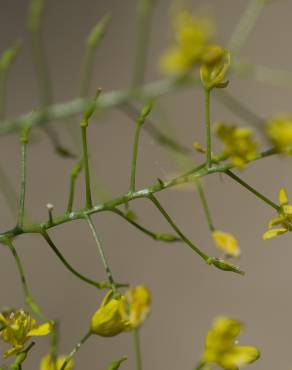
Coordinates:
(156, 236)
(252, 190)
(9, 192)
(145, 9)
(73, 177)
(75, 350)
(3, 92)
(134, 157)
(68, 266)
(208, 128)
(42, 68)
(27, 296)
(200, 366)
(176, 229)
(137, 344)
(20, 217)
(86, 167)
(102, 254)
(245, 25)
(205, 205)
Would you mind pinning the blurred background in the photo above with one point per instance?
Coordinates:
(187, 294)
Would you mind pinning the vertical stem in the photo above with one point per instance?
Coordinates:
(75, 350)
(137, 344)
(24, 142)
(102, 254)
(208, 128)
(41, 68)
(145, 8)
(134, 157)
(205, 205)
(73, 177)
(86, 166)
(27, 296)
(3, 90)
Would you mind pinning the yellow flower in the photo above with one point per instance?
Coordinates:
(47, 363)
(192, 36)
(138, 305)
(227, 243)
(240, 145)
(18, 327)
(215, 65)
(221, 348)
(109, 320)
(279, 130)
(121, 314)
(284, 218)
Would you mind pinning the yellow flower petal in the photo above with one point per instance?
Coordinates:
(283, 197)
(273, 233)
(13, 351)
(240, 355)
(41, 330)
(226, 242)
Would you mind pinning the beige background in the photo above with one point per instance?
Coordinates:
(187, 294)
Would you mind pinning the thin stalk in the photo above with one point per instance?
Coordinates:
(156, 236)
(145, 9)
(253, 190)
(102, 254)
(73, 177)
(27, 296)
(24, 142)
(208, 128)
(205, 205)
(176, 229)
(75, 350)
(86, 167)
(200, 366)
(9, 192)
(134, 157)
(3, 93)
(137, 344)
(68, 266)
(42, 68)
(246, 25)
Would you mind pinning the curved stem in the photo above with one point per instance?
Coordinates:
(20, 216)
(205, 205)
(68, 266)
(156, 236)
(176, 229)
(134, 157)
(27, 296)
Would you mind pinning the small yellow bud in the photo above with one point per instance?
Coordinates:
(108, 320)
(227, 243)
(214, 70)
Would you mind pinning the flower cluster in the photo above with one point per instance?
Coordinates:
(17, 327)
(239, 142)
(121, 313)
(221, 348)
(284, 219)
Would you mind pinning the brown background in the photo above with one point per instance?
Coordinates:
(187, 294)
